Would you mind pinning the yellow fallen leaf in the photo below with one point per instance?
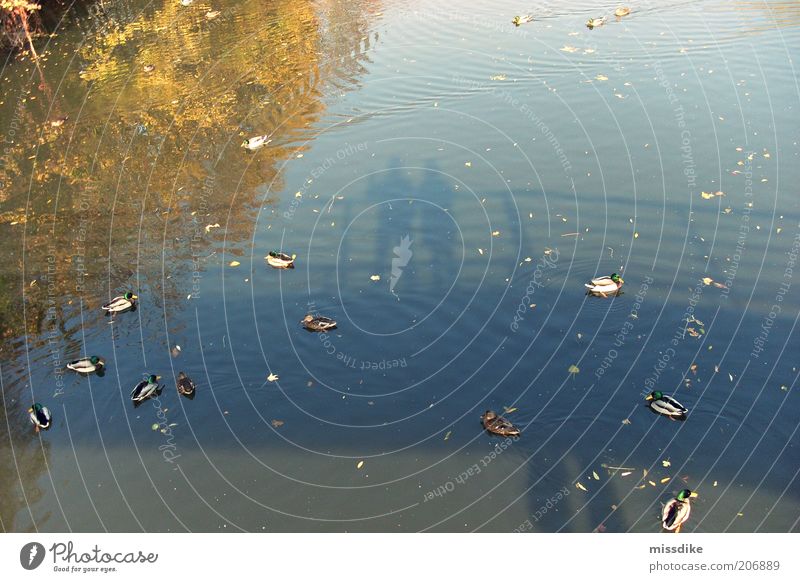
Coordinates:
(375, 277)
(360, 464)
(595, 475)
(235, 263)
(666, 463)
(653, 483)
(626, 473)
(580, 486)
(601, 78)
(496, 233)
(569, 49)
(272, 377)
(447, 436)
(707, 280)
(468, 164)
(665, 479)
(573, 369)
(509, 410)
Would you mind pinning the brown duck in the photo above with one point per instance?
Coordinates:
(498, 425)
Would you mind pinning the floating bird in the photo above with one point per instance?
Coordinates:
(522, 19)
(185, 385)
(622, 11)
(145, 389)
(87, 365)
(594, 22)
(317, 323)
(149, 68)
(121, 303)
(498, 425)
(676, 511)
(279, 260)
(605, 286)
(253, 143)
(40, 416)
(666, 405)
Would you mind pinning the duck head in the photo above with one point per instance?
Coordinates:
(685, 494)
(654, 395)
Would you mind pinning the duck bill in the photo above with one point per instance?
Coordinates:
(649, 397)
(135, 297)
(693, 494)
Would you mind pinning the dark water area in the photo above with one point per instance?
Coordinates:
(448, 182)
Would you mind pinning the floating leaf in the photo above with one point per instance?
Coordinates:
(580, 486)
(707, 280)
(375, 277)
(447, 436)
(626, 473)
(573, 369)
(626, 421)
(277, 423)
(155, 426)
(360, 464)
(509, 410)
(666, 463)
(235, 263)
(595, 475)
(665, 479)
(272, 377)
(653, 483)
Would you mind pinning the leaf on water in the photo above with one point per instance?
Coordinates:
(653, 483)
(666, 463)
(715, 483)
(235, 263)
(580, 486)
(626, 473)
(568, 49)
(693, 368)
(706, 195)
(510, 410)
(480, 251)
(601, 78)
(155, 426)
(644, 473)
(626, 421)
(272, 377)
(707, 280)
(375, 277)
(716, 369)
(573, 369)
(468, 164)
(277, 423)
(595, 475)
(496, 233)
(730, 376)
(497, 78)
(447, 436)
(665, 479)
(360, 464)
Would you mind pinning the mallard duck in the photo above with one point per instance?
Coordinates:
(622, 11)
(254, 143)
(666, 405)
(594, 22)
(40, 416)
(498, 425)
(145, 389)
(185, 385)
(676, 511)
(149, 68)
(279, 260)
(522, 19)
(317, 323)
(87, 365)
(605, 286)
(121, 303)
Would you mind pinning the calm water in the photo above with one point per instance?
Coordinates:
(484, 173)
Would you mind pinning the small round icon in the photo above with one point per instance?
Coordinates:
(31, 555)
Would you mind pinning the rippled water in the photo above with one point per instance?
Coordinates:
(483, 172)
